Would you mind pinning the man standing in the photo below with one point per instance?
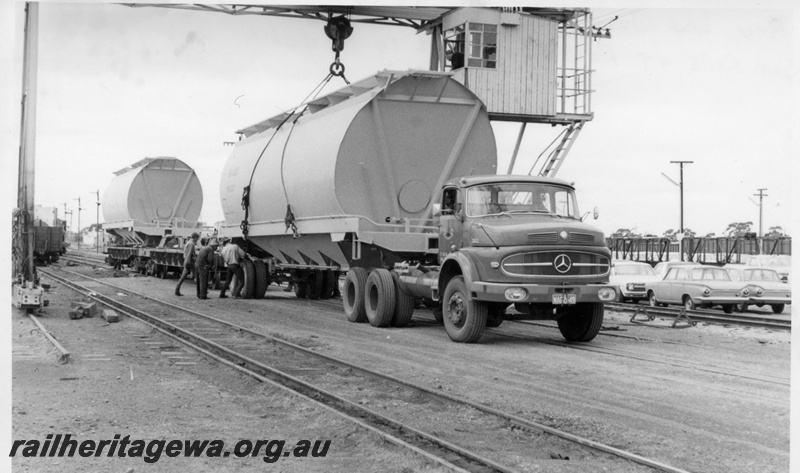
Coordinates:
(205, 259)
(232, 255)
(188, 261)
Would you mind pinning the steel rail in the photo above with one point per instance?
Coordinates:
(521, 422)
(705, 316)
(298, 386)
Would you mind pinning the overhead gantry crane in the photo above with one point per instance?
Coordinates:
(528, 65)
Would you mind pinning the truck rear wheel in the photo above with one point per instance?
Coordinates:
(262, 278)
(316, 285)
(379, 297)
(330, 281)
(582, 322)
(249, 287)
(464, 318)
(353, 297)
(403, 305)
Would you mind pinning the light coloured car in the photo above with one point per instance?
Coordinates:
(664, 266)
(780, 263)
(765, 285)
(696, 286)
(630, 277)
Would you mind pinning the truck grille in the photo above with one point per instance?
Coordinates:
(555, 263)
(542, 238)
(581, 239)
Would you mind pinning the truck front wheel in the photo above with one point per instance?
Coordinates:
(582, 322)
(464, 318)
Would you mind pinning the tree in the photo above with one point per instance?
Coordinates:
(738, 229)
(624, 233)
(711, 235)
(775, 232)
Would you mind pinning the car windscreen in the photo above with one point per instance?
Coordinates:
(761, 275)
(633, 270)
(710, 274)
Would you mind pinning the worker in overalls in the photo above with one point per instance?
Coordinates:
(188, 261)
(205, 260)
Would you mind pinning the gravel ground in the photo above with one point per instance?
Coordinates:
(658, 395)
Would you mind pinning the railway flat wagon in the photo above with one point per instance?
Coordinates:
(392, 180)
(150, 208)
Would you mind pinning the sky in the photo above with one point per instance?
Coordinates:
(710, 85)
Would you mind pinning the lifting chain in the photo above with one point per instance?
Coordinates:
(289, 221)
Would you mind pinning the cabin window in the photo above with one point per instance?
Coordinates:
(454, 47)
(482, 50)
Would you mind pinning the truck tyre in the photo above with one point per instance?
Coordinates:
(379, 297)
(403, 305)
(778, 308)
(249, 287)
(301, 289)
(496, 314)
(583, 322)
(353, 296)
(464, 318)
(262, 278)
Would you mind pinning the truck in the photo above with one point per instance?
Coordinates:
(392, 181)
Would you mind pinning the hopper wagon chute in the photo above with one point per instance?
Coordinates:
(152, 204)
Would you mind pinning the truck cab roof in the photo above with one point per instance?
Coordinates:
(470, 181)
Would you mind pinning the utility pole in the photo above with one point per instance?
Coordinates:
(79, 222)
(97, 223)
(761, 196)
(681, 163)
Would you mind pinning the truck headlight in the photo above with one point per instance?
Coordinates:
(630, 286)
(516, 293)
(607, 293)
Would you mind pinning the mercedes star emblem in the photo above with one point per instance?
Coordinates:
(562, 263)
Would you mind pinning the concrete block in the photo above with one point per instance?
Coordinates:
(75, 314)
(89, 308)
(110, 316)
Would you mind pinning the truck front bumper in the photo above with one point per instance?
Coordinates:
(542, 293)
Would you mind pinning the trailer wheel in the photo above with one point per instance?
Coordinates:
(464, 318)
(582, 322)
(164, 271)
(150, 267)
(262, 278)
(403, 305)
(331, 283)
(249, 287)
(316, 285)
(778, 308)
(379, 297)
(301, 290)
(496, 314)
(353, 297)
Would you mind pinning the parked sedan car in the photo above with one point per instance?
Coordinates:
(664, 266)
(630, 277)
(696, 286)
(780, 263)
(765, 285)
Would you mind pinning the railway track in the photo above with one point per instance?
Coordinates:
(400, 411)
(707, 316)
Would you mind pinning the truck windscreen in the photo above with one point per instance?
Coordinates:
(521, 198)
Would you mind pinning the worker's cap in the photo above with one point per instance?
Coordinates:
(225, 240)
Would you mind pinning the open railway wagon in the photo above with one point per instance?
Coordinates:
(49, 242)
(150, 208)
(353, 182)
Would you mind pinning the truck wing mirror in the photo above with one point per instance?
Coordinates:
(596, 213)
(437, 210)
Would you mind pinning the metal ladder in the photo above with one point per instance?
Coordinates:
(557, 156)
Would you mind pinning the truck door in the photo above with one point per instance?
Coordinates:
(451, 222)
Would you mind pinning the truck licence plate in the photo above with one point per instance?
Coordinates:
(562, 299)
